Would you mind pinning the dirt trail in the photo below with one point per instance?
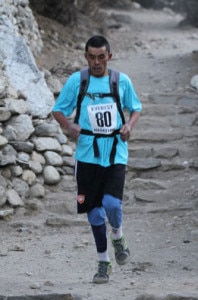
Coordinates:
(163, 237)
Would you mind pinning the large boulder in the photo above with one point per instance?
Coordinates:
(23, 73)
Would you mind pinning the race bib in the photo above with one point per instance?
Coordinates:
(103, 118)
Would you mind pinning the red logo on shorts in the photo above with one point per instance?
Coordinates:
(81, 199)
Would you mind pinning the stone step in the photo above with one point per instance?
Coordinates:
(179, 100)
(161, 135)
(164, 110)
(161, 168)
(166, 151)
(159, 195)
(156, 136)
(168, 122)
(143, 164)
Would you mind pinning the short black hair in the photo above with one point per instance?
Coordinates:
(97, 41)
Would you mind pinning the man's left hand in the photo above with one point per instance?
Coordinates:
(125, 132)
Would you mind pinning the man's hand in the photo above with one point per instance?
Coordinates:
(125, 132)
(126, 128)
(73, 130)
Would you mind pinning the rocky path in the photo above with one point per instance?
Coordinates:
(51, 251)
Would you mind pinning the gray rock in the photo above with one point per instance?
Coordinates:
(3, 84)
(5, 114)
(47, 143)
(69, 161)
(143, 163)
(13, 198)
(194, 82)
(19, 60)
(51, 175)
(16, 171)
(3, 196)
(46, 129)
(4, 213)
(23, 157)
(67, 150)
(37, 191)
(29, 177)
(35, 166)
(144, 184)
(3, 141)
(17, 106)
(7, 160)
(9, 150)
(165, 152)
(37, 157)
(53, 158)
(21, 187)
(19, 128)
(23, 146)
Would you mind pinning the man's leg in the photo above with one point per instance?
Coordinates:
(113, 209)
(97, 218)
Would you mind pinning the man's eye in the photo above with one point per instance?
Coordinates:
(100, 57)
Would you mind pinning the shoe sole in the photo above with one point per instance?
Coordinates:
(124, 262)
(100, 281)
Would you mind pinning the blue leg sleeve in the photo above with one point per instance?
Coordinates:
(96, 216)
(113, 208)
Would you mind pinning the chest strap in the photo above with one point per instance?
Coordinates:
(95, 144)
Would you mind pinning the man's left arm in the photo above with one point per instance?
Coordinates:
(128, 126)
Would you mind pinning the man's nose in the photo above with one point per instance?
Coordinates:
(96, 60)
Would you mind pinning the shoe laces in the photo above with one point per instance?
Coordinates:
(119, 245)
(102, 268)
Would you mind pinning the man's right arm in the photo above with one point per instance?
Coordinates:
(72, 129)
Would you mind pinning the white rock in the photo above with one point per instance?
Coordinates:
(37, 191)
(47, 143)
(194, 82)
(53, 158)
(13, 198)
(51, 175)
(29, 176)
(3, 196)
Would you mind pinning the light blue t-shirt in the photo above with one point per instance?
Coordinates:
(99, 115)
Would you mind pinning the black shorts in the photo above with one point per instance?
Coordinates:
(94, 181)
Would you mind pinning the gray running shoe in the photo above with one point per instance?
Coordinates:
(122, 253)
(104, 270)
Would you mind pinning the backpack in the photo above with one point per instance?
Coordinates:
(114, 88)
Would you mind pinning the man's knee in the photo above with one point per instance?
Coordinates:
(111, 203)
(96, 216)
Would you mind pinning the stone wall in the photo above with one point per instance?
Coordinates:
(17, 16)
(34, 151)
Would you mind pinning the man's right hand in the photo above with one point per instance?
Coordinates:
(73, 130)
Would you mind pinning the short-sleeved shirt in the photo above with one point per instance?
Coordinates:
(99, 115)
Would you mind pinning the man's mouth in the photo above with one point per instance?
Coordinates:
(96, 69)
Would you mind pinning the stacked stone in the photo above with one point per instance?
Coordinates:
(34, 152)
(17, 15)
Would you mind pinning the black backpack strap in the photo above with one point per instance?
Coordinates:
(84, 82)
(114, 85)
(95, 143)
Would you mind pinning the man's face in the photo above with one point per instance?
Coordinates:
(97, 59)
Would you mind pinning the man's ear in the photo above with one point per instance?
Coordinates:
(110, 56)
(85, 55)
